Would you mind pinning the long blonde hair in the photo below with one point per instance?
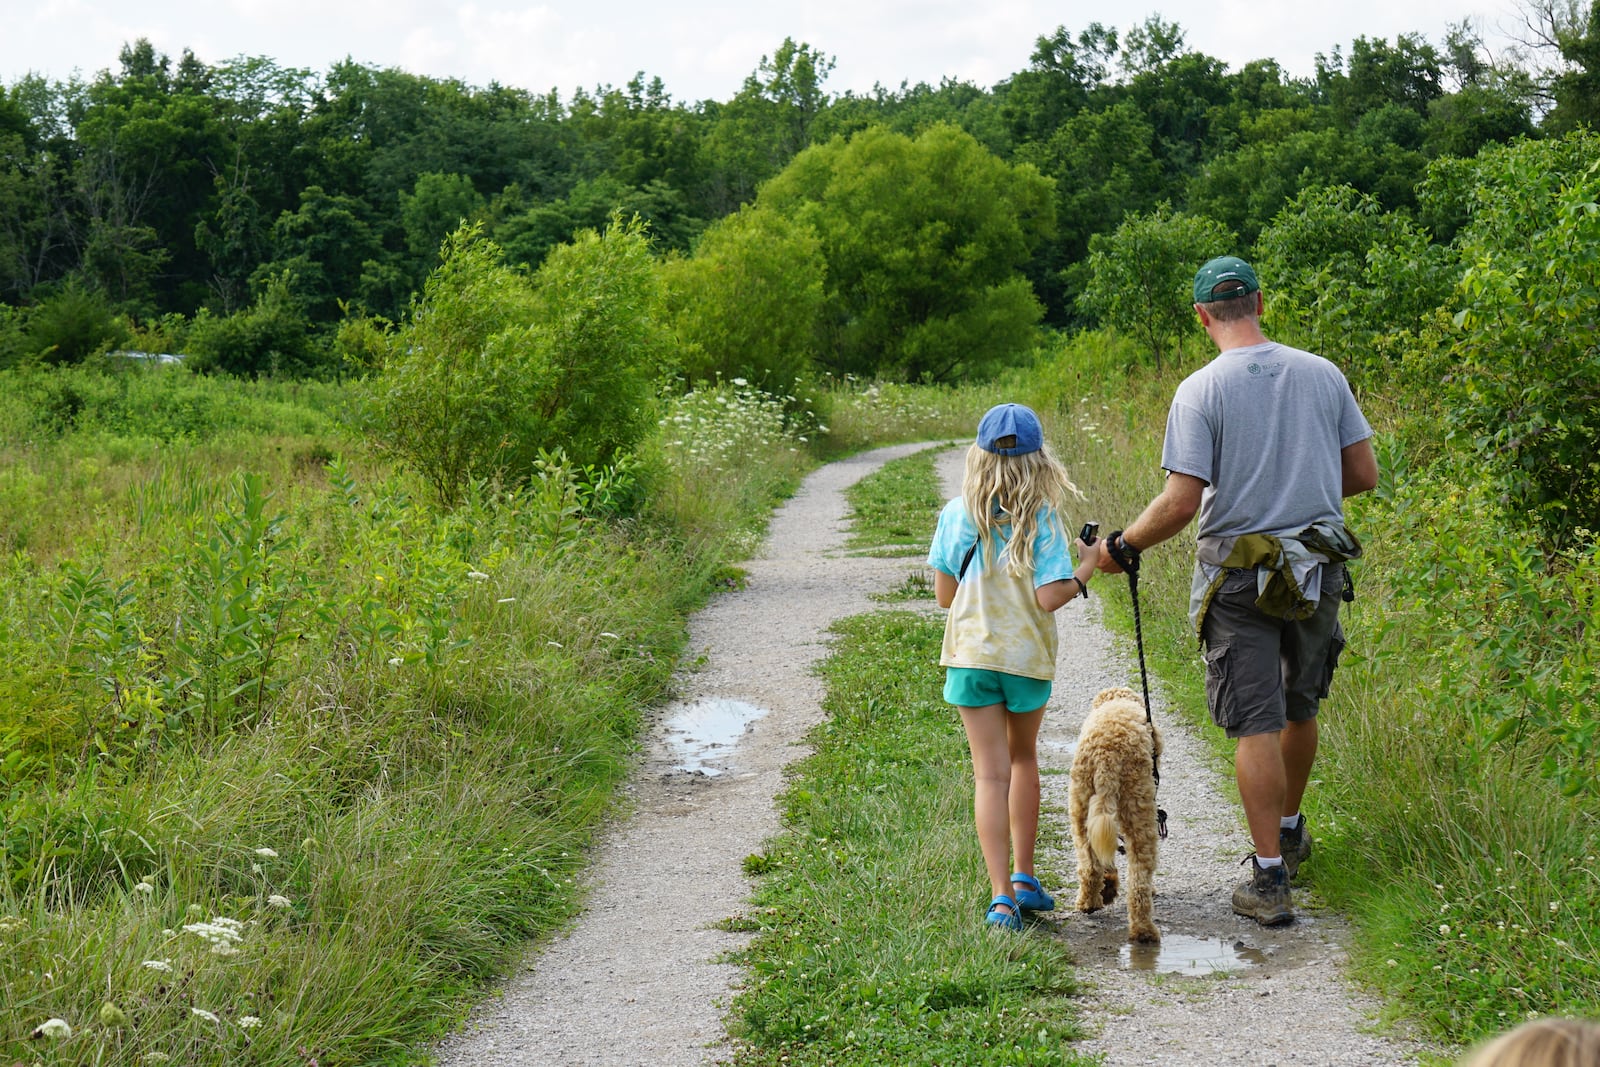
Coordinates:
(1010, 491)
(1548, 1042)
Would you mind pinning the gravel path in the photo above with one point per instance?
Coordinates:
(638, 978)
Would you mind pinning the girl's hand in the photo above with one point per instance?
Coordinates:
(1094, 553)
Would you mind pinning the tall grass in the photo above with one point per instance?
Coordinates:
(292, 762)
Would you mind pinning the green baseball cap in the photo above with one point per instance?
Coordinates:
(1224, 269)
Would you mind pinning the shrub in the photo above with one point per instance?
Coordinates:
(1142, 273)
(492, 369)
(272, 337)
(746, 305)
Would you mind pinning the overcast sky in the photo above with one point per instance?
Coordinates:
(699, 48)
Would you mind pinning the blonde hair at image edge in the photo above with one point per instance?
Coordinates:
(1542, 1043)
(1022, 485)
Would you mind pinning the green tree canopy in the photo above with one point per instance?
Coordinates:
(924, 240)
(1141, 275)
(748, 302)
(492, 367)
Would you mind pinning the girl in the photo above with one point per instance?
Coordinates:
(1002, 566)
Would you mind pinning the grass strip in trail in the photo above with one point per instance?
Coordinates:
(870, 946)
(893, 510)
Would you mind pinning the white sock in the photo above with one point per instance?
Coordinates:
(1289, 822)
(1264, 863)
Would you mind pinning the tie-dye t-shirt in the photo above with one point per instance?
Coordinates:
(994, 622)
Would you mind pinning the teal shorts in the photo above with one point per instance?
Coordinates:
(969, 687)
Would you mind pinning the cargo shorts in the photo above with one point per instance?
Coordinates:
(1262, 671)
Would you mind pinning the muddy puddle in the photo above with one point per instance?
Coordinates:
(1181, 954)
(698, 737)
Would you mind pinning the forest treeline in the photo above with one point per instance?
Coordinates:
(1406, 201)
(169, 188)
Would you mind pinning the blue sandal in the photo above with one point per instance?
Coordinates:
(1000, 918)
(1033, 898)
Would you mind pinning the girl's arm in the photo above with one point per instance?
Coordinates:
(1051, 595)
(944, 588)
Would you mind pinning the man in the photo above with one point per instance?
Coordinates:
(1264, 442)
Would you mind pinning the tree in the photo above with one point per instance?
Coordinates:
(756, 133)
(923, 241)
(1141, 275)
(1577, 88)
(1522, 375)
(747, 304)
(1061, 75)
(492, 366)
(1346, 272)
(1103, 166)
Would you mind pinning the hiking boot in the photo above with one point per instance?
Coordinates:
(1265, 897)
(1295, 846)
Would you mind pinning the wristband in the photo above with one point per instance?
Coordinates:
(1083, 588)
(1126, 556)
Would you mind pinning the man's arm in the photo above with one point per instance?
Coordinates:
(1163, 517)
(1359, 466)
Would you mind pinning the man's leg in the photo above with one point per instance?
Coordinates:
(1299, 748)
(1258, 766)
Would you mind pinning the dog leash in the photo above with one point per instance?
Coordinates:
(1127, 558)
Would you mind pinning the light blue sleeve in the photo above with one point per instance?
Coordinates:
(1052, 550)
(952, 538)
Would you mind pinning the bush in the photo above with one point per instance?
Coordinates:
(1142, 274)
(270, 338)
(746, 305)
(1524, 381)
(493, 369)
(73, 324)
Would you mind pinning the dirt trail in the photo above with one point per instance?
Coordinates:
(638, 978)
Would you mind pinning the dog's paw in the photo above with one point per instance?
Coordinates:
(1087, 902)
(1145, 935)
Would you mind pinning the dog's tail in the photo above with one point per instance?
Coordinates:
(1103, 827)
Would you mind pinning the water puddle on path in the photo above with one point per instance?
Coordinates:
(1178, 954)
(698, 735)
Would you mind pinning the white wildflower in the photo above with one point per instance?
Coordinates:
(266, 853)
(144, 888)
(1555, 905)
(249, 1022)
(478, 576)
(201, 1013)
(396, 661)
(278, 900)
(55, 1029)
(1444, 929)
(157, 965)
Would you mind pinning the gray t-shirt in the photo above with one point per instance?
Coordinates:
(1263, 427)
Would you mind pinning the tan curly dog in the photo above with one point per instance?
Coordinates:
(1112, 792)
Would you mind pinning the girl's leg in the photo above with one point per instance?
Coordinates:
(991, 772)
(1022, 739)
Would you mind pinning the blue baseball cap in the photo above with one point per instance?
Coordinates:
(1010, 430)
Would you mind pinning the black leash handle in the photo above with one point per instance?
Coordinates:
(1127, 558)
